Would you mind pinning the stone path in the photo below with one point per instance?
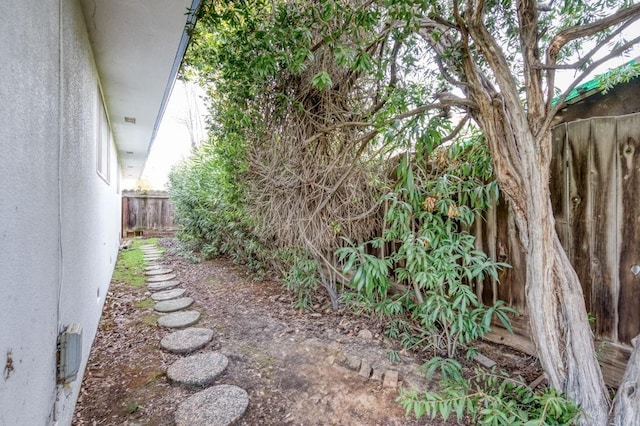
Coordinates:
(217, 405)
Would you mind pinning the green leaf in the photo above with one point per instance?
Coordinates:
(322, 80)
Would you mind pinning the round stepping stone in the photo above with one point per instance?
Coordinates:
(154, 267)
(168, 294)
(163, 277)
(187, 340)
(163, 285)
(173, 304)
(160, 271)
(217, 406)
(197, 370)
(179, 319)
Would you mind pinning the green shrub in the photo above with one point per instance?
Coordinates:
(207, 198)
(487, 398)
(424, 288)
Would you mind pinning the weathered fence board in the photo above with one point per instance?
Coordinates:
(147, 213)
(595, 177)
(600, 272)
(577, 163)
(628, 148)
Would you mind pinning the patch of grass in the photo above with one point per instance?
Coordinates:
(146, 303)
(267, 362)
(130, 265)
(145, 378)
(137, 242)
(150, 320)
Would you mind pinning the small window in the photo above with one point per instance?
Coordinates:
(103, 147)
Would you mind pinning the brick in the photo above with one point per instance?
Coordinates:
(377, 374)
(390, 379)
(354, 362)
(485, 361)
(365, 370)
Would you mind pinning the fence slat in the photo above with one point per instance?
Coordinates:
(578, 139)
(628, 141)
(603, 230)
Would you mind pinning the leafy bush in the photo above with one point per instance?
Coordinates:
(427, 281)
(488, 398)
(301, 277)
(209, 211)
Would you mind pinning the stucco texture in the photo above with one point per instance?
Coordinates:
(59, 220)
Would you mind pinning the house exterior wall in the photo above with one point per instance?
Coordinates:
(59, 220)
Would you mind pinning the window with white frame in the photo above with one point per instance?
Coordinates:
(103, 143)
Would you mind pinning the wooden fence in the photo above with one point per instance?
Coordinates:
(595, 180)
(147, 213)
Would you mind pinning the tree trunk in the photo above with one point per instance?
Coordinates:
(627, 403)
(558, 317)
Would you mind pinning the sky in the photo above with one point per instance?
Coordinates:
(173, 140)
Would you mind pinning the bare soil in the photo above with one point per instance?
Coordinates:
(294, 365)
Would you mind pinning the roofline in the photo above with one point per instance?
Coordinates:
(177, 62)
(588, 88)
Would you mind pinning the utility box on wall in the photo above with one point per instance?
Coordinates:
(69, 353)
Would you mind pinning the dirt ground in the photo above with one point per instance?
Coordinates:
(294, 365)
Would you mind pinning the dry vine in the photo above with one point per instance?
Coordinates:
(310, 178)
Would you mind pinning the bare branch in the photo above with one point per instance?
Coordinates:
(439, 47)
(457, 130)
(560, 104)
(631, 13)
(528, 19)
(551, 67)
(587, 56)
(446, 100)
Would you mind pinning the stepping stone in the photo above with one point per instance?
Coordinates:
(148, 246)
(160, 271)
(154, 267)
(168, 294)
(173, 304)
(217, 406)
(163, 285)
(151, 258)
(152, 251)
(179, 319)
(197, 370)
(187, 340)
(163, 277)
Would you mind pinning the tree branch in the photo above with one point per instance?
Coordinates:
(455, 131)
(579, 31)
(551, 65)
(561, 104)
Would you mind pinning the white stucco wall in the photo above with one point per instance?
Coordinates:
(59, 220)
(29, 268)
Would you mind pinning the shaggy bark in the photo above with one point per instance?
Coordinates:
(627, 403)
(555, 301)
